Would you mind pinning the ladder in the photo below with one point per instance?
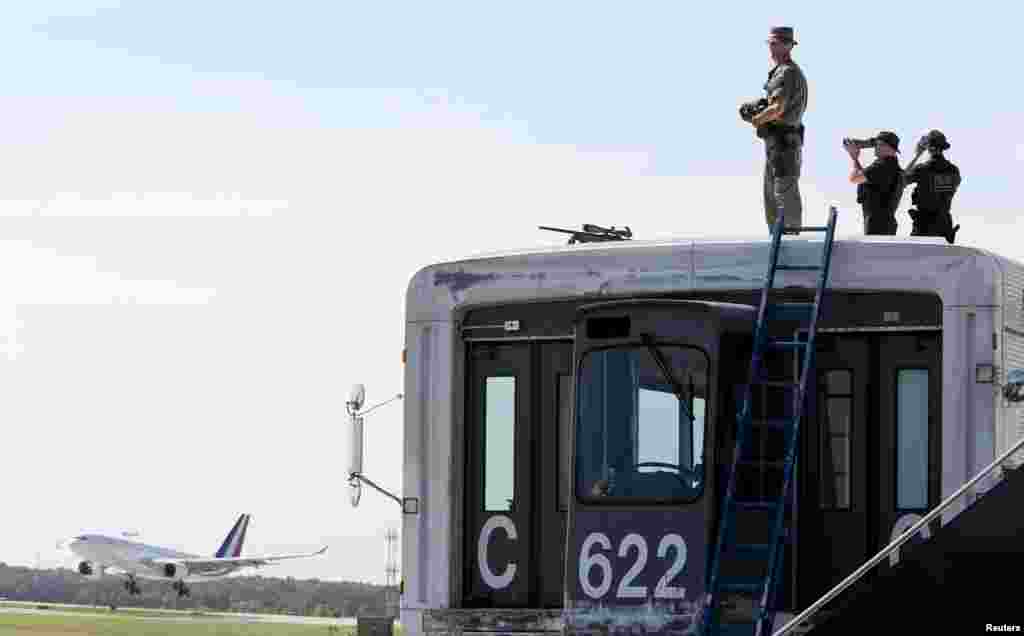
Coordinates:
(727, 546)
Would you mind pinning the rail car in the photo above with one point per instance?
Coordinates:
(569, 422)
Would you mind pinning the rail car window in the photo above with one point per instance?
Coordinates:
(912, 439)
(499, 443)
(837, 395)
(640, 421)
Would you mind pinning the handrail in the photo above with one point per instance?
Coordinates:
(903, 538)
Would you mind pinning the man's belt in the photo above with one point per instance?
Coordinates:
(780, 130)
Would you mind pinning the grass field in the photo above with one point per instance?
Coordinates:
(92, 624)
(99, 609)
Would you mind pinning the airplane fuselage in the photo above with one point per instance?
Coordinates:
(138, 559)
(101, 554)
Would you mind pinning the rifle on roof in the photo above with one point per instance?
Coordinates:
(593, 233)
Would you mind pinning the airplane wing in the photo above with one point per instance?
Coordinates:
(213, 563)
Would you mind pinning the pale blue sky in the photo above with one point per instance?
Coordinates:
(211, 211)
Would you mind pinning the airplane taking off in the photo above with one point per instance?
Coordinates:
(102, 554)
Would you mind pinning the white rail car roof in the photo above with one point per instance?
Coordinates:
(960, 275)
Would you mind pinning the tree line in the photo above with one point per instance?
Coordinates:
(258, 594)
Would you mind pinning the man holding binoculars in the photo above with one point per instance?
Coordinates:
(880, 185)
(937, 181)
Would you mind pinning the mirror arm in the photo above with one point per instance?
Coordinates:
(355, 476)
(360, 477)
(348, 405)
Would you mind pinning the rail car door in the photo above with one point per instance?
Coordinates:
(642, 506)
(835, 536)
(498, 476)
(872, 447)
(909, 444)
(517, 477)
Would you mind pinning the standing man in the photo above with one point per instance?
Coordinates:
(878, 185)
(780, 124)
(937, 181)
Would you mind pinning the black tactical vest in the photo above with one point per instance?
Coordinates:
(937, 181)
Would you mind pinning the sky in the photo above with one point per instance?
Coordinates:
(210, 213)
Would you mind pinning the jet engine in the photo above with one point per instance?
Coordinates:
(174, 570)
(90, 570)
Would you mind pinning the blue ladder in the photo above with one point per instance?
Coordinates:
(770, 555)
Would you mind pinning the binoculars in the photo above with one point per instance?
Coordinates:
(860, 143)
(749, 110)
(926, 142)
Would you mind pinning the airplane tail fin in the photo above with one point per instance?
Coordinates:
(232, 545)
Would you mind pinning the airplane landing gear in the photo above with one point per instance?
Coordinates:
(181, 589)
(132, 586)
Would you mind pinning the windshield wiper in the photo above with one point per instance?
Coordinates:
(666, 372)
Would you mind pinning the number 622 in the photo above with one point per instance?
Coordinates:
(591, 557)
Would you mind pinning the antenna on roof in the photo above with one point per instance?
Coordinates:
(593, 233)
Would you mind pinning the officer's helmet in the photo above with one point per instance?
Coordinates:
(936, 140)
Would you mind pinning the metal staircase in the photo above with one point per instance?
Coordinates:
(728, 547)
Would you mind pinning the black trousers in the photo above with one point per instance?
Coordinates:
(879, 222)
(933, 223)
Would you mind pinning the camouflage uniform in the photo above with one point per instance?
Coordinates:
(783, 144)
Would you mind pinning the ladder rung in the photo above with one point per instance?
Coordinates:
(769, 464)
(780, 384)
(814, 228)
(773, 423)
(784, 345)
(737, 629)
(769, 506)
(761, 550)
(790, 311)
(746, 586)
(797, 268)
(771, 383)
(732, 547)
(769, 425)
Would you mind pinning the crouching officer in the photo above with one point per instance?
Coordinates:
(879, 185)
(937, 181)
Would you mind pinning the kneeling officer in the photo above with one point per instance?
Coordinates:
(937, 181)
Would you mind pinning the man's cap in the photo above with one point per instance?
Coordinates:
(782, 33)
(890, 138)
(935, 139)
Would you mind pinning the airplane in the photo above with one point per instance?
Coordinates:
(101, 554)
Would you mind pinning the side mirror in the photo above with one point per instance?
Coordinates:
(1013, 389)
(357, 397)
(355, 489)
(354, 434)
(355, 457)
(355, 444)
